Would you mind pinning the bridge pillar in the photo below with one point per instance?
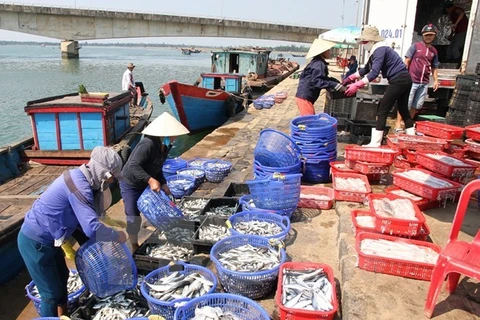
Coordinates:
(70, 49)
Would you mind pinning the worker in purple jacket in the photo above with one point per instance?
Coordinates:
(69, 202)
(383, 59)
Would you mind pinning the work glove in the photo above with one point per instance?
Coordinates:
(350, 79)
(340, 88)
(353, 88)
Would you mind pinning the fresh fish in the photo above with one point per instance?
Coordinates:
(425, 178)
(192, 208)
(177, 234)
(118, 307)
(398, 250)
(448, 160)
(320, 197)
(350, 184)
(169, 251)
(224, 211)
(210, 313)
(248, 258)
(197, 173)
(256, 227)
(178, 286)
(366, 221)
(398, 208)
(198, 163)
(217, 166)
(74, 284)
(406, 194)
(212, 232)
(307, 289)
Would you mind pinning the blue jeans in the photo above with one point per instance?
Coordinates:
(417, 95)
(130, 195)
(47, 267)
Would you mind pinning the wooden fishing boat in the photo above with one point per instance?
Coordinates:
(298, 55)
(186, 51)
(208, 105)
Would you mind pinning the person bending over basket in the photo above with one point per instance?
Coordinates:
(69, 202)
(144, 168)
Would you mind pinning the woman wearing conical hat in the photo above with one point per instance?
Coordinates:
(144, 168)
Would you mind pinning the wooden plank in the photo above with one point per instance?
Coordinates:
(3, 206)
(35, 170)
(58, 154)
(13, 216)
(19, 187)
(19, 196)
(12, 183)
(54, 170)
(39, 187)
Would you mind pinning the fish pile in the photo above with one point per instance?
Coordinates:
(177, 286)
(177, 234)
(197, 173)
(350, 184)
(180, 185)
(248, 258)
(118, 307)
(192, 208)
(365, 221)
(307, 290)
(198, 163)
(319, 197)
(169, 251)
(218, 166)
(74, 284)
(406, 194)
(212, 232)
(448, 160)
(257, 227)
(398, 250)
(398, 208)
(224, 211)
(424, 178)
(210, 313)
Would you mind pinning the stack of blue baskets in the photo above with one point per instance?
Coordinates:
(171, 166)
(264, 102)
(316, 136)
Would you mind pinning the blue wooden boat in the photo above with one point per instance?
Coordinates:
(209, 105)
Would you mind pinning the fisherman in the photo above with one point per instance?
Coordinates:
(314, 77)
(383, 58)
(144, 168)
(128, 84)
(70, 201)
(421, 60)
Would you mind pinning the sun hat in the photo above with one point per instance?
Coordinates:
(319, 46)
(130, 65)
(370, 33)
(165, 126)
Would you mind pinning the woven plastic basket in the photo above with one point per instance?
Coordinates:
(106, 268)
(276, 149)
(197, 163)
(253, 285)
(216, 170)
(181, 185)
(198, 174)
(164, 308)
(248, 204)
(171, 166)
(277, 192)
(281, 221)
(242, 308)
(159, 210)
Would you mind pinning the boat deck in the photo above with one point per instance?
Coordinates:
(17, 195)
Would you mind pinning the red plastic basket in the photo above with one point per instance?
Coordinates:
(453, 172)
(392, 141)
(349, 195)
(395, 226)
(457, 151)
(421, 143)
(300, 314)
(396, 267)
(367, 168)
(339, 166)
(306, 202)
(473, 146)
(423, 190)
(473, 132)
(401, 162)
(439, 130)
(383, 155)
(411, 155)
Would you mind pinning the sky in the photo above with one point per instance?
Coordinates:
(308, 13)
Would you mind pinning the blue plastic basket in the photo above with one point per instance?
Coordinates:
(159, 210)
(317, 171)
(197, 163)
(198, 174)
(171, 166)
(280, 191)
(296, 168)
(245, 203)
(253, 285)
(281, 221)
(179, 190)
(167, 309)
(242, 308)
(215, 174)
(106, 268)
(72, 301)
(316, 124)
(276, 149)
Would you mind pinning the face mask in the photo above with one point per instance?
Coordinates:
(104, 185)
(368, 46)
(166, 141)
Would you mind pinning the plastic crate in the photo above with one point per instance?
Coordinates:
(401, 162)
(396, 267)
(219, 202)
(423, 190)
(384, 155)
(453, 172)
(236, 190)
(363, 127)
(301, 314)
(439, 130)
(419, 201)
(457, 151)
(368, 168)
(281, 221)
(473, 132)
(421, 143)
(410, 155)
(349, 195)
(392, 142)
(395, 226)
(473, 146)
(312, 203)
(339, 166)
(205, 246)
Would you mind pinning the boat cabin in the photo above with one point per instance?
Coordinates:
(222, 81)
(245, 62)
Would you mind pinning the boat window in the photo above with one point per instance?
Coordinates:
(217, 83)
(234, 65)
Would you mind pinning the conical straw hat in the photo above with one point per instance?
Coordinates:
(165, 126)
(319, 46)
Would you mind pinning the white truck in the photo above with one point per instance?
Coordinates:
(400, 23)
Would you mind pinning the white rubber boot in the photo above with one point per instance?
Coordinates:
(410, 131)
(376, 141)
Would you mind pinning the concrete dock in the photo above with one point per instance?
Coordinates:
(323, 236)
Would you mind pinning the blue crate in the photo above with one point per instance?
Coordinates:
(158, 209)
(281, 221)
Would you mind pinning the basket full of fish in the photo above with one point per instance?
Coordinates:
(410, 142)
(192, 207)
(248, 265)
(181, 185)
(75, 289)
(382, 154)
(396, 256)
(216, 170)
(212, 230)
(306, 291)
(221, 306)
(168, 287)
(198, 174)
(446, 165)
(260, 223)
(222, 207)
(197, 163)
(316, 197)
(171, 166)
(350, 186)
(157, 207)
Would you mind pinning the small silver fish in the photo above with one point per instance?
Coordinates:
(169, 251)
(210, 313)
(248, 258)
(257, 227)
(178, 286)
(224, 211)
(212, 232)
(177, 234)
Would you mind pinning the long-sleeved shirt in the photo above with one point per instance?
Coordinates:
(386, 60)
(58, 212)
(313, 79)
(127, 80)
(146, 161)
(352, 68)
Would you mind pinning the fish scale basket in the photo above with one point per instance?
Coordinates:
(72, 301)
(216, 170)
(180, 190)
(164, 308)
(106, 268)
(276, 149)
(242, 308)
(159, 210)
(253, 285)
(281, 221)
